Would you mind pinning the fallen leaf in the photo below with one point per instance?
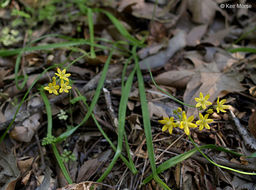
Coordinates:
(9, 172)
(25, 165)
(217, 37)
(175, 44)
(26, 131)
(195, 35)
(90, 167)
(156, 110)
(203, 11)
(143, 9)
(158, 32)
(178, 79)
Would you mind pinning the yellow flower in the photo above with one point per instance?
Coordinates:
(203, 121)
(187, 123)
(179, 110)
(220, 105)
(202, 101)
(52, 87)
(209, 111)
(64, 86)
(62, 74)
(168, 124)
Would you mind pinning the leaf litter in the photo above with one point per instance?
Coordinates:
(186, 46)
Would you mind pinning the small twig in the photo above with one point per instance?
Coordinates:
(249, 141)
(40, 152)
(111, 111)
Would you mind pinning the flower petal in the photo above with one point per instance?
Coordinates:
(191, 118)
(47, 88)
(186, 130)
(164, 128)
(170, 130)
(201, 95)
(198, 105)
(223, 101)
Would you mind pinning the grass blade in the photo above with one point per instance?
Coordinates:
(147, 125)
(121, 123)
(119, 26)
(91, 31)
(49, 133)
(181, 157)
(243, 49)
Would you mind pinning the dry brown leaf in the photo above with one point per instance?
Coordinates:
(217, 37)
(158, 32)
(203, 11)
(26, 131)
(25, 165)
(79, 70)
(175, 44)
(178, 79)
(90, 167)
(195, 57)
(195, 35)
(9, 173)
(156, 110)
(143, 9)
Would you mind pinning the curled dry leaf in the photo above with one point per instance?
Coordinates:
(178, 79)
(203, 11)
(143, 9)
(156, 110)
(175, 44)
(26, 131)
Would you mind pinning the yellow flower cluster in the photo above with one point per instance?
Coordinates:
(186, 123)
(64, 86)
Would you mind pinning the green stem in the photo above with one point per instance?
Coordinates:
(61, 164)
(165, 92)
(91, 30)
(218, 165)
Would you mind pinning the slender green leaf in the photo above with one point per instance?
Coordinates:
(91, 31)
(181, 157)
(244, 49)
(121, 123)
(119, 26)
(146, 122)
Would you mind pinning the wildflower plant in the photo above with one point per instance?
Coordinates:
(64, 83)
(185, 122)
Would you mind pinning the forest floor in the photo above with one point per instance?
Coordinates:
(127, 94)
